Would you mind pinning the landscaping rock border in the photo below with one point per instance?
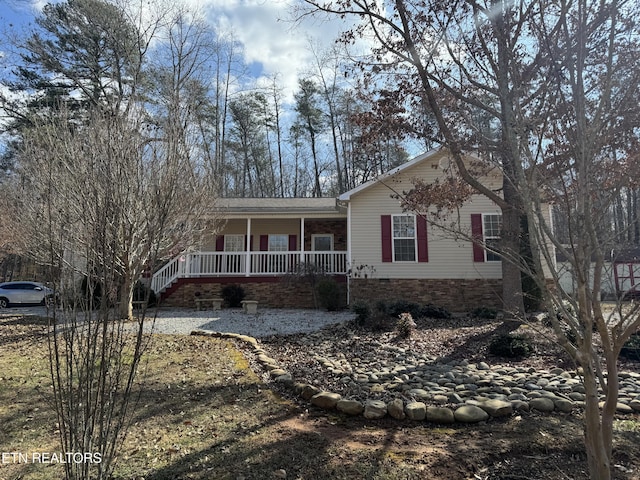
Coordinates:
(445, 393)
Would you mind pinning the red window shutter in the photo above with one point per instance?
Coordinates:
(220, 243)
(293, 243)
(264, 243)
(476, 233)
(423, 247)
(387, 252)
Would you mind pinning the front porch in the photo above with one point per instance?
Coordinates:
(247, 264)
(262, 241)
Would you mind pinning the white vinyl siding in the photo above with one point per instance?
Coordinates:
(448, 258)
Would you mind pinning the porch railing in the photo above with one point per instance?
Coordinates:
(219, 264)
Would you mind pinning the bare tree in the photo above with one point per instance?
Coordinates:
(103, 198)
(276, 98)
(311, 120)
(408, 35)
(543, 90)
(104, 203)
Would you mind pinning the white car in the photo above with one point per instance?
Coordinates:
(24, 293)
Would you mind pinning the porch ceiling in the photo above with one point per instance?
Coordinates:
(281, 207)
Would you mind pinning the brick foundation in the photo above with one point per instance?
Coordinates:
(456, 295)
(272, 292)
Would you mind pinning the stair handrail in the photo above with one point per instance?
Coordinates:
(167, 274)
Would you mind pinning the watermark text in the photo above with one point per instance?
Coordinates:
(49, 457)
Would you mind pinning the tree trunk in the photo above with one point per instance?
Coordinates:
(125, 307)
(511, 242)
(598, 452)
(513, 302)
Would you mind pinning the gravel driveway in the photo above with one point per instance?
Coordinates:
(263, 324)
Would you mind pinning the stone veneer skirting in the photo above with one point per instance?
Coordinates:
(456, 295)
(272, 292)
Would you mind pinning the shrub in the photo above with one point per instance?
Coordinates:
(566, 307)
(381, 306)
(375, 319)
(403, 306)
(233, 295)
(405, 325)
(633, 342)
(510, 346)
(631, 348)
(433, 311)
(379, 322)
(395, 309)
(142, 292)
(362, 311)
(328, 294)
(91, 293)
(571, 336)
(485, 312)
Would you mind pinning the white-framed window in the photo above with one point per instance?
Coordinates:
(234, 243)
(322, 242)
(278, 243)
(403, 234)
(491, 227)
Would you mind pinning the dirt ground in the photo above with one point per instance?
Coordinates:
(204, 413)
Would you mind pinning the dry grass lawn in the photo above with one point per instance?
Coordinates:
(204, 414)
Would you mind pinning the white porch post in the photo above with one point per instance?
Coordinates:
(302, 240)
(247, 260)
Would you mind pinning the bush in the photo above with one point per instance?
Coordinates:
(403, 306)
(433, 311)
(328, 294)
(633, 342)
(142, 292)
(510, 346)
(485, 312)
(380, 322)
(405, 325)
(395, 309)
(91, 293)
(375, 319)
(631, 348)
(571, 336)
(233, 295)
(362, 311)
(382, 307)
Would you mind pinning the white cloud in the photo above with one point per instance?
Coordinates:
(270, 37)
(29, 6)
(265, 28)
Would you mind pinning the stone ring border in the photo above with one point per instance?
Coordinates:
(474, 411)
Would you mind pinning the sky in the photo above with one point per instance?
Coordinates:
(273, 43)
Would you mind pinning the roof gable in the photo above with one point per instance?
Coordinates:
(431, 154)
